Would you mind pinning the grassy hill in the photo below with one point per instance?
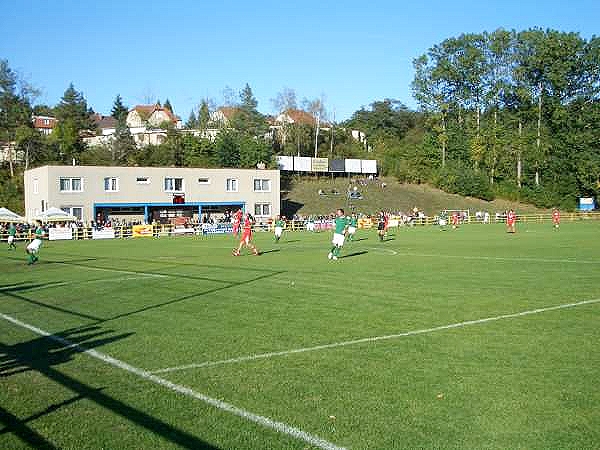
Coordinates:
(301, 195)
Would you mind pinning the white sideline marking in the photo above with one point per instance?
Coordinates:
(227, 407)
(500, 258)
(373, 339)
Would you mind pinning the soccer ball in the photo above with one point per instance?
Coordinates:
(335, 258)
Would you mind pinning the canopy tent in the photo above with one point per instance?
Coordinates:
(6, 215)
(55, 215)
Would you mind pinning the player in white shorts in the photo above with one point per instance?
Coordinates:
(33, 247)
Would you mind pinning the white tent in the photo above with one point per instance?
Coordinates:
(6, 215)
(55, 215)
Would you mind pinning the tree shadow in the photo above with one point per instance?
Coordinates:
(44, 354)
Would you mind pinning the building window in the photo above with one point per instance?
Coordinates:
(262, 209)
(232, 185)
(173, 184)
(111, 184)
(261, 185)
(142, 180)
(71, 185)
(76, 211)
(36, 186)
(203, 180)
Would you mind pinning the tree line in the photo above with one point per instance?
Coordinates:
(501, 114)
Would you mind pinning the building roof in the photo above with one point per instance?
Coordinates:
(297, 116)
(145, 111)
(229, 111)
(104, 122)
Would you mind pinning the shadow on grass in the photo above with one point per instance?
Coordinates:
(358, 240)
(290, 241)
(274, 250)
(44, 354)
(351, 255)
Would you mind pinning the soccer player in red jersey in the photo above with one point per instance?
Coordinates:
(511, 219)
(454, 219)
(237, 219)
(386, 221)
(246, 237)
(556, 218)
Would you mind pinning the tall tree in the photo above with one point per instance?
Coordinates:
(285, 100)
(167, 105)
(119, 110)
(16, 96)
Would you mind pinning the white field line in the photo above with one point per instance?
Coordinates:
(500, 258)
(384, 250)
(100, 280)
(373, 339)
(180, 389)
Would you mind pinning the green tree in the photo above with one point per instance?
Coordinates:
(119, 110)
(227, 149)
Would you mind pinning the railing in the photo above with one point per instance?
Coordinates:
(126, 231)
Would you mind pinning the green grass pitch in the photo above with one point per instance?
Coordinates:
(458, 339)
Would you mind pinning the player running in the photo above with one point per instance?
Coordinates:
(246, 240)
(352, 226)
(556, 218)
(339, 235)
(12, 233)
(381, 225)
(511, 219)
(34, 246)
(455, 221)
(279, 226)
(237, 219)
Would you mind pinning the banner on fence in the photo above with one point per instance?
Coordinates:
(217, 228)
(352, 166)
(285, 163)
(60, 234)
(319, 164)
(302, 163)
(369, 166)
(141, 231)
(106, 233)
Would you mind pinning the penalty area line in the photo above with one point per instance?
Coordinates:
(180, 389)
(373, 339)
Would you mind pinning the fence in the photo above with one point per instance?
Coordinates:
(157, 231)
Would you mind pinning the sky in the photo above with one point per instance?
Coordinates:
(351, 52)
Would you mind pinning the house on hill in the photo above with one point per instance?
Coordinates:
(151, 116)
(223, 116)
(44, 124)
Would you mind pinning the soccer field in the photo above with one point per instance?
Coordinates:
(463, 339)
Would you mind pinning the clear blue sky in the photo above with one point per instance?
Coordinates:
(353, 52)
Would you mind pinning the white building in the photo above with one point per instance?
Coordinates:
(150, 194)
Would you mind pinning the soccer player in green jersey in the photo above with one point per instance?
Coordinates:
(352, 226)
(339, 234)
(279, 226)
(34, 246)
(12, 233)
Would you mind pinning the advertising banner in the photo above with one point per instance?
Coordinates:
(319, 164)
(337, 165)
(60, 234)
(586, 203)
(217, 228)
(285, 163)
(352, 166)
(369, 166)
(302, 163)
(106, 233)
(141, 231)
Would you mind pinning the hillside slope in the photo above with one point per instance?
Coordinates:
(301, 196)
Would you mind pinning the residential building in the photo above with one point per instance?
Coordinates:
(223, 116)
(149, 194)
(151, 116)
(44, 124)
